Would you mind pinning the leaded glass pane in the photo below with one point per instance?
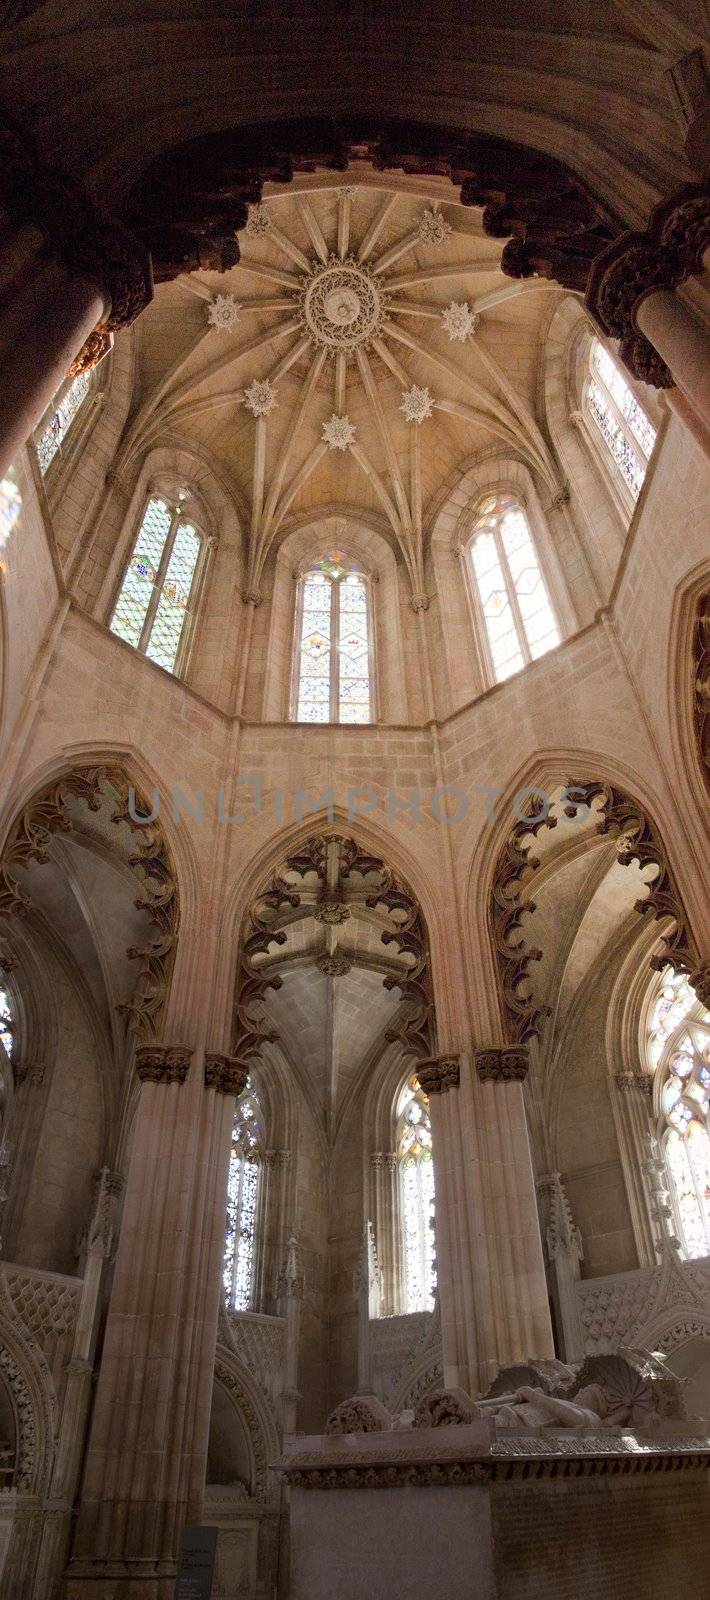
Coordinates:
(538, 618)
(678, 1045)
(53, 436)
(497, 611)
(242, 1200)
(6, 1029)
(137, 589)
(417, 1199)
(10, 505)
(315, 651)
(170, 616)
(629, 407)
(631, 466)
(353, 651)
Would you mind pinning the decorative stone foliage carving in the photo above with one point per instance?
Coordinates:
(93, 350)
(261, 397)
(701, 682)
(30, 840)
(339, 433)
(437, 1076)
(162, 1063)
(223, 312)
(361, 1414)
(502, 1066)
(334, 966)
(638, 264)
(417, 404)
(445, 1408)
(625, 820)
(508, 907)
(258, 1421)
(226, 1074)
(628, 1081)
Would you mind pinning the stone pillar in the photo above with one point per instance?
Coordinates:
(632, 1111)
(146, 1460)
(564, 1254)
(491, 1273)
(290, 1297)
(631, 293)
(68, 279)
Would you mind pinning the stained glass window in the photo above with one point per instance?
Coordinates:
(10, 505)
(63, 413)
(153, 605)
(333, 674)
(6, 1027)
(520, 622)
(678, 1048)
(416, 1198)
(622, 423)
(242, 1200)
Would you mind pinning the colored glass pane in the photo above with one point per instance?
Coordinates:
(53, 435)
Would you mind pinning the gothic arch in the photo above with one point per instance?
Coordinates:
(258, 1420)
(27, 1379)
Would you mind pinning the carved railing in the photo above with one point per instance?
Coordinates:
(662, 1306)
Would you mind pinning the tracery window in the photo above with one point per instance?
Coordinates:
(153, 607)
(333, 665)
(618, 418)
(416, 1198)
(242, 1201)
(6, 1023)
(678, 1047)
(519, 620)
(62, 416)
(10, 505)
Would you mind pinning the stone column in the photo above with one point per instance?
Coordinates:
(68, 279)
(491, 1273)
(383, 1204)
(290, 1297)
(146, 1460)
(632, 294)
(633, 1116)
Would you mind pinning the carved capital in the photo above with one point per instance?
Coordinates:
(700, 982)
(251, 597)
(89, 245)
(162, 1063)
(93, 350)
(502, 1066)
(420, 602)
(639, 264)
(277, 1158)
(439, 1075)
(626, 1082)
(226, 1074)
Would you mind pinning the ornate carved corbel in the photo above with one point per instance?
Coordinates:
(502, 1066)
(162, 1063)
(226, 1074)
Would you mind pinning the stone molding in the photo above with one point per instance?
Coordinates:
(439, 1074)
(639, 264)
(226, 1074)
(88, 244)
(502, 1066)
(162, 1063)
(529, 1458)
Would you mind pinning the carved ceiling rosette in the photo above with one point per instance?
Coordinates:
(30, 841)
